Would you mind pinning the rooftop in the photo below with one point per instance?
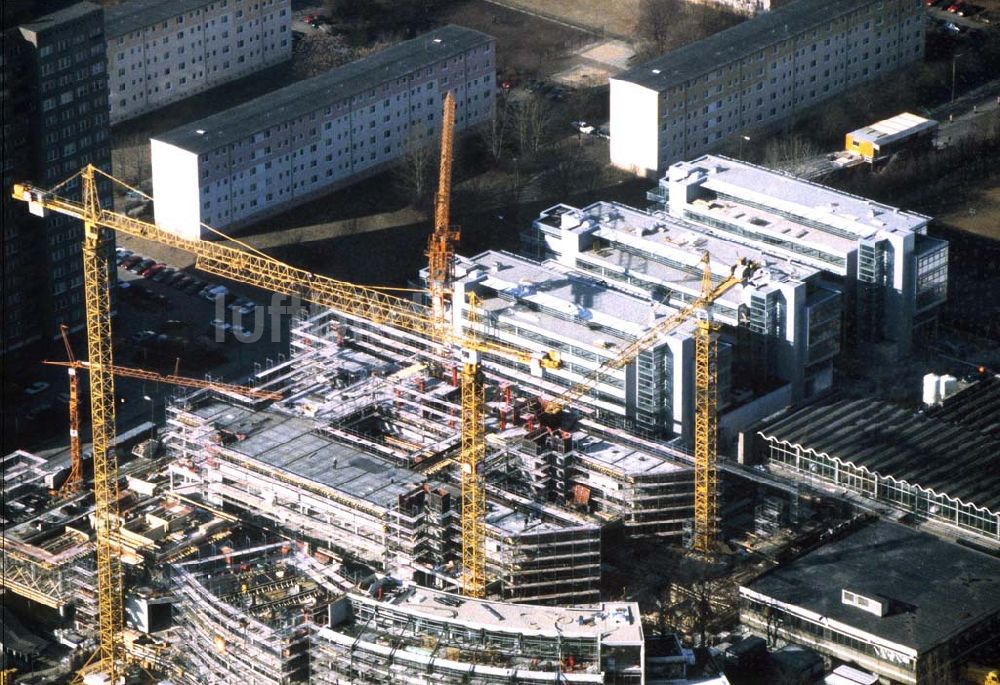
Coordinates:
(295, 446)
(701, 57)
(977, 408)
(610, 622)
(137, 14)
(935, 588)
(57, 19)
(921, 449)
(672, 250)
(336, 85)
(834, 218)
(569, 304)
(629, 461)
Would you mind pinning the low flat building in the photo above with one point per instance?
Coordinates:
(903, 604)
(304, 140)
(162, 51)
(927, 464)
(881, 140)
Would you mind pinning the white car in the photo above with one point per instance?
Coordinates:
(220, 326)
(36, 388)
(212, 294)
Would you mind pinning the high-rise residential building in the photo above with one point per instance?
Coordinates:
(308, 138)
(684, 103)
(166, 50)
(55, 119)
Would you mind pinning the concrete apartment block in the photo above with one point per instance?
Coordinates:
(329, 131)
(162, 51)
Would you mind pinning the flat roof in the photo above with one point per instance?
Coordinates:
(920, 449)
(294, 445)
(893, 129)
(336, 85)
(628, 460)
(569, 303)
(55, 20)
(137, 14)
(609, 622)
(701, 57)
(842, 215)
(936, 589)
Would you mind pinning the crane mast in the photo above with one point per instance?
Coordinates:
(440, 247)
(440, 272)
(96, 282)
(73, 481)
(706, 502)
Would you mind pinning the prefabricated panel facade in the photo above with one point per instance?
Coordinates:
(756, 74)
(167, 50)
(308, 138)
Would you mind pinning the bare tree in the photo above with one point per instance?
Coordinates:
(532, 121)
(789, 152)
(414, 173)
(654, 22)
(131, 161)
(494, 132)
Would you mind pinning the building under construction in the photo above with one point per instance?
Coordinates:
(371, 479)
(272, 613)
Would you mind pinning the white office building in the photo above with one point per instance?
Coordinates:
(302, 141)
(755, 74)
(162, 51)
(783, 326)
(893, 275)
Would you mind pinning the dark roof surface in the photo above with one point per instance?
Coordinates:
(921, 449)
(703, 56)
(137, 14)
(55, 20)
(935, 588)
(977, 407)
(321, 91)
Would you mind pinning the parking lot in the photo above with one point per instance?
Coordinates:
(162, 324)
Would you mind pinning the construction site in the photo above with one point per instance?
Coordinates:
(425, 490)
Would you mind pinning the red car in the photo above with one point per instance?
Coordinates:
(153, 270)
(954, 8)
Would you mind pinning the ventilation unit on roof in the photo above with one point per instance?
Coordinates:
(872, 604)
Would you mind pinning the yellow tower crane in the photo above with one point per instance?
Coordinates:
(440, 247)
(244, 264)
(706, 507)
(73, 482)
(440, 272)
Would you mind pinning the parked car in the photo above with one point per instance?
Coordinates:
(121, 254)
(194, 286)
(36, 388)
(139, 267)
(182, 282)
(130, 261)
(153, 270)
(174, 278)
(213, 292)
(142, 337)
(219, 326)
(164, 274)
